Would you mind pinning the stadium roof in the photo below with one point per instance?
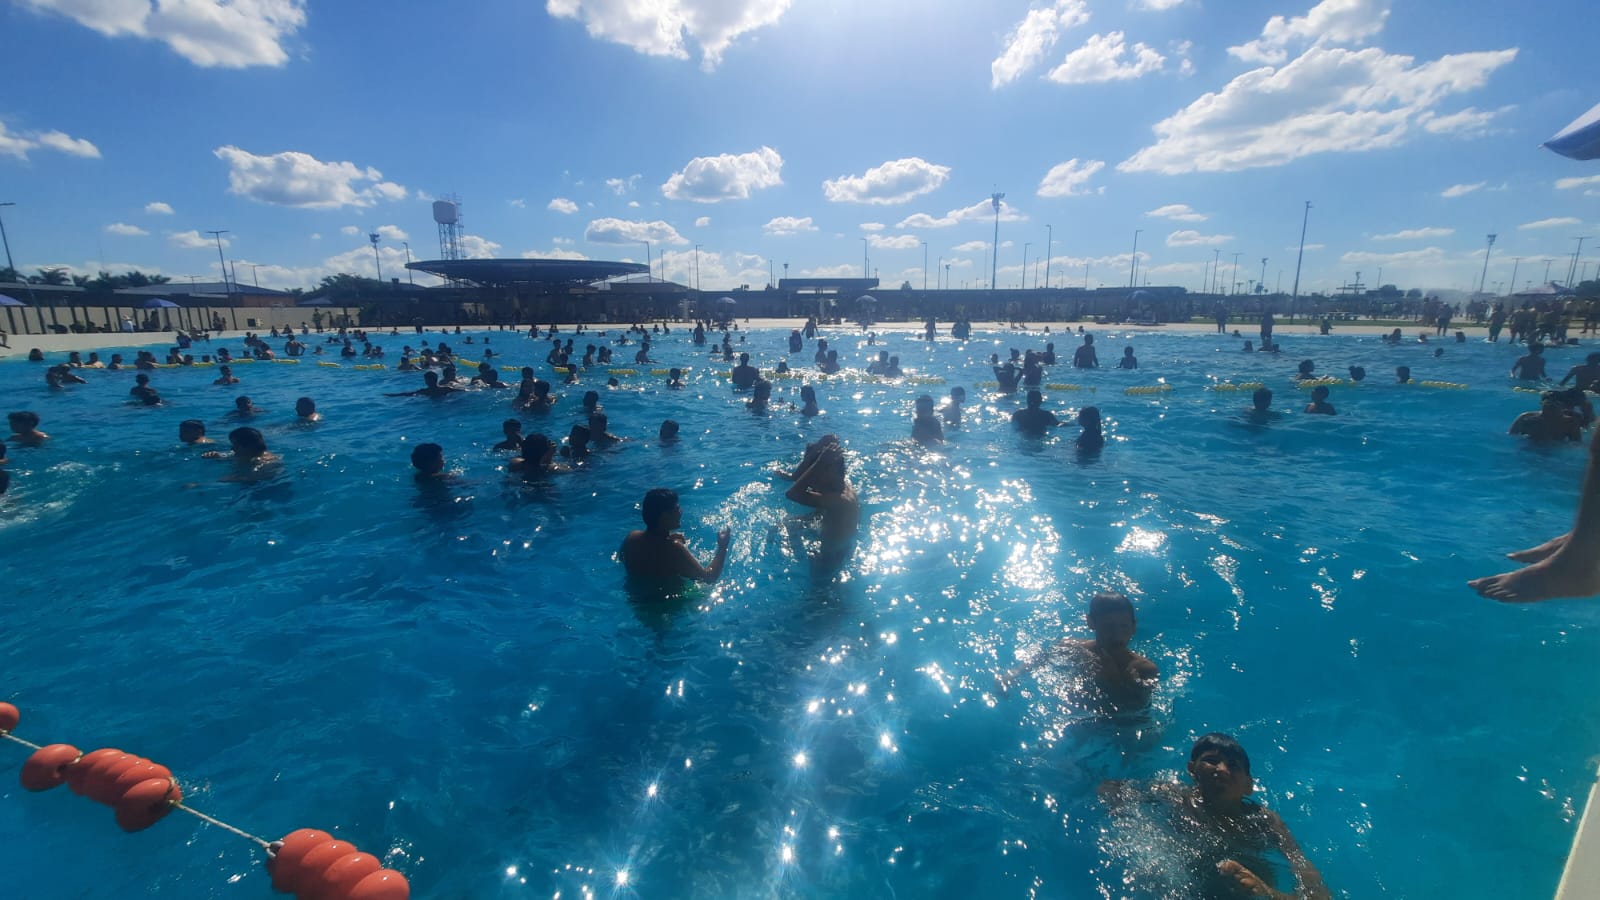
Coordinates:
(528, 271)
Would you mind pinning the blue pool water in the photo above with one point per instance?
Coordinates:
(463, 687)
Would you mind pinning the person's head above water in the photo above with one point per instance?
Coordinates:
(1403, 373)
(304, 407)
(924, 405)
(1111, 617)
(1307, 366)
(1034, 399)
(1262, 398)
(744, 359)
(1222, 747)
(431, 379)
(669, 430)
(660, 509)
(536, 448)
(428, 459)
(1357, 373)
(242, 404)
(247, 442)
(1089, 417)
(1319, 393)
(191, 430)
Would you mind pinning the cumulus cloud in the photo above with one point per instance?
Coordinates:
(553, 253)
(664, 27)
(1107, 57)
(621, 186)
(1470, 121)
(350, 231)
(1331, 22)
(1070, 179)
(1427, 255)
(710, 179)
(1328, 100)
(1191, 238)
(1555, 222)
(300, 180)
(702, 222)
(971, 247)
(1034, 37)
(784, 226)
(718, 271)
(562, 205)
(982, 211)
(232, 34)
(20, 143)
(1177, 212)
(392, 233)
(518, 203)
(1461, 190)
(621, 231)
(1158, 5)
(158, 209)
(194, 240)
(1568, 184)
(896, 242)
(872, 226)
(125, 230)
(895, 181)
(477, 247)
(1415, 234)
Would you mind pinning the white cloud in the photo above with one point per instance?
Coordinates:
(1425, 256)
(702, 222)
(709, 179)
(1034, 37)
(19, 144)
(561, 242)
(896, 242)
(662, 27)
(1470, 121)
(392, 233)
(1070, 179)
(840, 271)
(125, 230)
(518, 203)
(633, 204)
(1461, 190)
(971, 247)
(785, 226)
(1191, 238)
(1328, 100)
(982, 211)
(1106, 57)
(1177, 212)
(1567, 184)
(718, 271)
(872, 226)
(621, 231)
(1415, 234)
(229, 34)
(621, 186)
(350, 231)
(194, 240)
(316, 235)
(158, 209)
(554, 253)
(1158, 5)
(896, 181)
(1556, 222)
(562, 205)
(475, 247)
(303, 181)
(1331, 22)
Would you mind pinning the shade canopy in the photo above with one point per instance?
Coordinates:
(10, 301)
(316, 301)
(158, 303)
(1581, 139)
(727, 301)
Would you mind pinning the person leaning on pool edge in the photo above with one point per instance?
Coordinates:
(659, 552)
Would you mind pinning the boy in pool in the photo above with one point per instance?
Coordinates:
(660, 552)
(1530, 367)
(252, 461)
(25, 429)
(1261, 411)
(428, 460)
(823, 486)
(513, 432)
(1124, 674)
(1215, 820)
(952, 409)
(193, 431)
(1128, 360)
(925, 428)
(1319, 404)
(1034, 420)
(1567, 566)
(305, 410)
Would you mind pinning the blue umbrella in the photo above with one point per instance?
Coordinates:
(158, 303)
(1581, 139)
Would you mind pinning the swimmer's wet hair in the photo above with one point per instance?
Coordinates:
(192, 425)
(427, 458)
(1223, 745)
(28, 418)
(669, 428)
(247, 438)
(511, 422)
(657, 503)
(535, 447)
(1104, 602)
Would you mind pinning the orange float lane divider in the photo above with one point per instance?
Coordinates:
(310, 864)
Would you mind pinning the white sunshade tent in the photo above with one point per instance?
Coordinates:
(1581, 139)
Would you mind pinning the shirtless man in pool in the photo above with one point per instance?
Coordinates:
(822, 485)
(659, 552)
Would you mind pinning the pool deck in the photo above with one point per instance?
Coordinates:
(62, 343)
(1581, 880)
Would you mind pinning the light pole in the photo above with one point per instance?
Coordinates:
(376, 260)
(649, 270)
(1133, 267)
(254, 279)
(410, 275)
(1025, 246)
(1216, 271)
(697, 268)
(994, 266)
(1235, 274)
(1483, 279)
(1515, 264)
(947, 276)
(1573, 270)
(924, 267)
(221, 259)
(937, 269)
(866, 266)
(1261, 286)
(1049, 245)
(1295, 300)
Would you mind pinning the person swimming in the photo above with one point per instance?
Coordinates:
(143, 392)
(1034, 420)
(925, 428)
(1093, 438)
(659, 552)
(1319, 404)
(1126, 676)
(1261, 411)
(432, 388)
(824, 486)
(952, 408)
(512, 429)
(250, 456)
(25, 429)
(193, 431)
(1531, 366)
(1128, 360)
(1552, 423)
(305, 410)
(808, 402)
(1084, 357)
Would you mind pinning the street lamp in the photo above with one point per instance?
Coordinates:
(1133, 267)
(1025, 246)
(254, 279)
(1573, 271)
(1049, 245)
(649, 271)
(1483, 279)
(924, 267)
(994, 267)
(697, 268)
(410, 275)
(223, 260)
(1235, 273)
(376, 261)
(866, 266)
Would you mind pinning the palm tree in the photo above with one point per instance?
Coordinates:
(51, 277)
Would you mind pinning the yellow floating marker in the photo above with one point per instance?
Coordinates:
(988, 384)
(1446, 385)
(1149, 389)
(329, 365)
(1310, 383)
(369, 367)
(203, 365)
(925, 379)
(623, 371)
(287, 362)
(241, 360)
(1066, 387)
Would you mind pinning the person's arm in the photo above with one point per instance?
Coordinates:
(689, 567)
(801, 491)
(1571, 372)
(1308, 881)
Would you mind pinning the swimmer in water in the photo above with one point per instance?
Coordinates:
(952, 409)
(1261, 411)
(675, 379)
(1319, 404)
(668, 434)
(244, 409)
(1566, 566)
(251, 459)
(808, 402)
(1128, 360)
(193, 431)
(25, 429)
(744, 375)
(1216, 819)
(761, 396)
(536, 456)
(1126, 676)
(1034, 420)
(925, 427)
(428, 460)
(1530, 367)
(431, 388)
(1551, 424)
(305, 410)
(1307, 371)
(1093, 438)
(143, 392)
(659, 552)
(1588, 374)
(513, 432)
(598, 433)
(225, 376)
(1402, 374)
(824, 486)
(1084, 357)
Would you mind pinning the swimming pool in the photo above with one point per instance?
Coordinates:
(462, 686)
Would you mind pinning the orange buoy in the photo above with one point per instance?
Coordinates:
(317, 861)
(9, 717)
(143, 770)
(47, 767)
(78, 775)
(147, 803)
(102, 782)
(384, 884)
(344, 874)
(284, 864)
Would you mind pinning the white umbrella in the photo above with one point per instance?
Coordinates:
(1581, 139)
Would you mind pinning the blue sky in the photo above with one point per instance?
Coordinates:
(806, 132)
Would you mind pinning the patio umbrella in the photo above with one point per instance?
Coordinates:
(160, 303)
(8, 303)
(1581, 139)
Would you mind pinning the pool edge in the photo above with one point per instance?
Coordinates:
(1582, 873)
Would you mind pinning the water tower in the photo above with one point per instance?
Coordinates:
(447, 215)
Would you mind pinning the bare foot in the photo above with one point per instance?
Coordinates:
(1562, 574)
(1543, 551)
(1246, 881)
